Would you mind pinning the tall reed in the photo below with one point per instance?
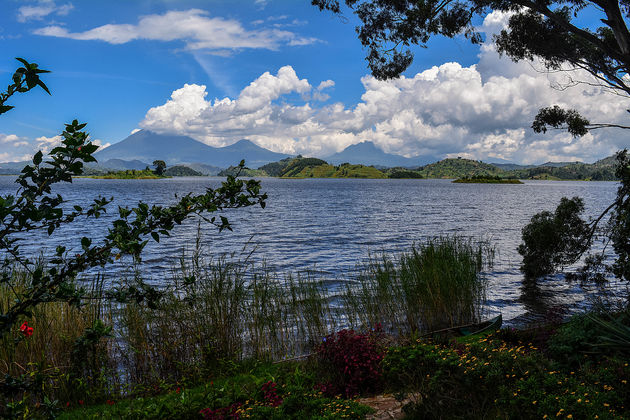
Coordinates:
(215, 311)
(437, 284)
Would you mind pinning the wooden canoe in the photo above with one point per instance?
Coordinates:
(487, 326)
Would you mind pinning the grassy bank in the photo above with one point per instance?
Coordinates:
(208, 348)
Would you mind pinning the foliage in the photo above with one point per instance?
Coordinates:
(251, 390)
(549, 31)
(398, 173)
(494, 378)
(276, 168)
(33, 208)
(556, 239)
(297, 165)
(24, 79)
(180, 170)
(552, 240)
(351, 361)
(129, 174)
(438, 284)
(459, 168)
(232, 170)
(160, 166)
(480, 179)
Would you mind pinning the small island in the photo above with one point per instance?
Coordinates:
(481, 179)
(129, 174)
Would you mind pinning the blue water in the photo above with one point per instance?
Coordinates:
(332, 225)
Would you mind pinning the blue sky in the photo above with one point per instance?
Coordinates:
(281, 73)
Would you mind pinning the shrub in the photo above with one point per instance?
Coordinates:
(352, 362)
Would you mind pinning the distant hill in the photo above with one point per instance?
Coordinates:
(180, 170)
(366, 153)
(11, 168)
(207, 170)
(147, 146)
(117, 165)
(301, 167)
(459, 168)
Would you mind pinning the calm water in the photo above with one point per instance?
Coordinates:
(331, 225)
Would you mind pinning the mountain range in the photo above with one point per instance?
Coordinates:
(146, 146)
(366, 153)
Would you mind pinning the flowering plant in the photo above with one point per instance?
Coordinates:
(26, 330)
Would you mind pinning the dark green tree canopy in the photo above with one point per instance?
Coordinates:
(543, 29)
(160, 166)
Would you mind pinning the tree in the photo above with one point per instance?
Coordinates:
(550, 31)
(160, 166)
(547, 30)
(35, 208)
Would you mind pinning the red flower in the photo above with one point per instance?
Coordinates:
(80, 402)
(26, 330)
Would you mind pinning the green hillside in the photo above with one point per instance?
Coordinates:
(235, 170)
(460, 168)
(181, 170)
(301, 167)
(603, 170)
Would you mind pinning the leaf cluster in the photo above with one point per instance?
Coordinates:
(553, 240)
(24, 79)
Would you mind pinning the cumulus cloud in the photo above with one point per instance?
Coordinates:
(483, 111)
(42, 9)
(18, 149)
(194, 27)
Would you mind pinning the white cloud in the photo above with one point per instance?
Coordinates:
(194, 27)
(100, 144)
(42, 9)
(17, 149)
(482, 111)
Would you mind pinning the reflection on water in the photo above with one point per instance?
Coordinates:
(331, 225)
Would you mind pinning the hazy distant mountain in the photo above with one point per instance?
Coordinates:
(10, 168)
(118, 164)
(147, 146)
(204, 169)
(366, 153)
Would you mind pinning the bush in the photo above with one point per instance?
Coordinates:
(352, 362)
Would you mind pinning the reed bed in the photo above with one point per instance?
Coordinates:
(218, 311)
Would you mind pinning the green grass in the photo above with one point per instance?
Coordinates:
(129, 174)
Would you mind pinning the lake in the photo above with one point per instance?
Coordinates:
(332, 225)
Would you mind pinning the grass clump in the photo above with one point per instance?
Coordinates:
(438, 284)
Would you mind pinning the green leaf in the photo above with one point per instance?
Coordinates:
(37, 159)
(5, 108)
(155, 236)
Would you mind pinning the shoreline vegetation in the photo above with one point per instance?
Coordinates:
(461, 170)
(453, 168)
(230, 339)
(480, 179)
